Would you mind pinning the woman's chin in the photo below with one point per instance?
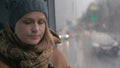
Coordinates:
(33, 42)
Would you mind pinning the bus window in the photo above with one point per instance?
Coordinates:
(90, 32)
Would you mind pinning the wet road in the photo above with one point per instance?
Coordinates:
(80, 54)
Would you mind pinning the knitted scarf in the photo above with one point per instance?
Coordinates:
(23, 57)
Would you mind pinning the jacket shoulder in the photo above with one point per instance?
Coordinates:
(59, 60)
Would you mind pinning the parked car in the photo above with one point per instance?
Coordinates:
(104, 44)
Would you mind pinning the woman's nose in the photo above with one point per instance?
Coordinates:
(35, 28)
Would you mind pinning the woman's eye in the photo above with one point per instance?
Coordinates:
(41, 22)
(27, 22)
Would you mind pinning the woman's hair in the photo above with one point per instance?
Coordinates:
(47, 37)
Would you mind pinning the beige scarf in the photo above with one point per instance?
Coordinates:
(24, 57)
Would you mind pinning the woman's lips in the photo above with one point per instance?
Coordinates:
(34, 36)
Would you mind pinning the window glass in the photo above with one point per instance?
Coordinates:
(90, 32)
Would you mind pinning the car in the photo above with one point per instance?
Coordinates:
(104, 44)
(64, 36)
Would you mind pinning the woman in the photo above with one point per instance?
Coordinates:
(26, 41)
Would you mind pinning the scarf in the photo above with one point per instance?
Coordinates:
(24, 57)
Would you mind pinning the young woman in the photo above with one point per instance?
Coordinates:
(26, 41)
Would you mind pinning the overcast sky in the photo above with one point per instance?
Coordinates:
(69, 10)
(82, 5)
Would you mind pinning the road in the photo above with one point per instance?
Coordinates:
(79, 54)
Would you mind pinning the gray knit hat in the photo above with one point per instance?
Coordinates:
(18, 8)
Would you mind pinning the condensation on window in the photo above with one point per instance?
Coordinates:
(90, 32)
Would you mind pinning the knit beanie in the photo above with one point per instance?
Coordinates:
(18, 8)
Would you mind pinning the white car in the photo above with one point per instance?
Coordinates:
(104, 44)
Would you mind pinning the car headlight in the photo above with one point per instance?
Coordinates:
(67, 36)
(60, 36)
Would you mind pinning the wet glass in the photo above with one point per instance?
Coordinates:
(90, 32)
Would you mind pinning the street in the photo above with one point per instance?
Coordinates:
(80, 55)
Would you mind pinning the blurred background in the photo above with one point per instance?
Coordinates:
(90, 32)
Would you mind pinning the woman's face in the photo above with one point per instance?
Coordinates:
(31, 27)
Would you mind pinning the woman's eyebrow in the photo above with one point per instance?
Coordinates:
(32, 18)
(27, 19)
